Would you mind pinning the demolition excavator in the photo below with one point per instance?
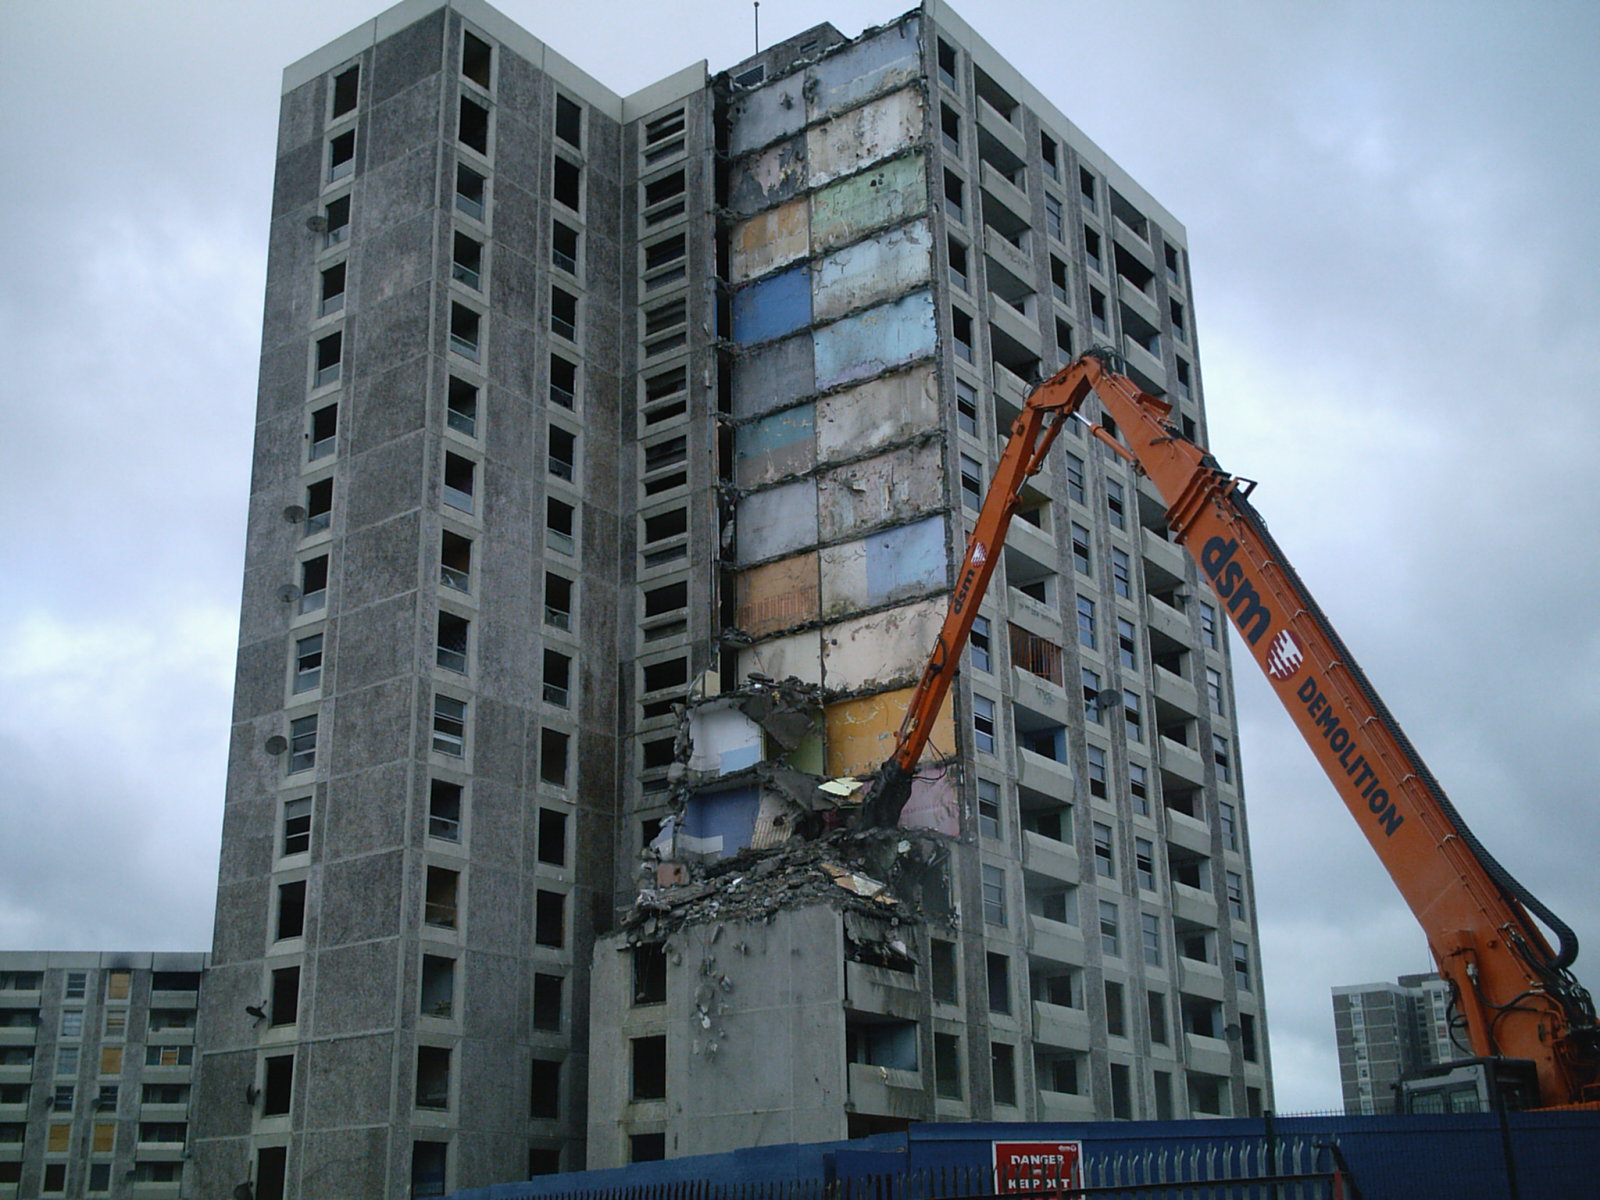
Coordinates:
(1529, 1023)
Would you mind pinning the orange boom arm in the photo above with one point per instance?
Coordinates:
(1513, 991)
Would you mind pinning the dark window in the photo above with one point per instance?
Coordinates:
(650, 973)
(466, 332)
(564, 247)
(277, 1084)
(564, 313)
(649, 1073)
(943, 971)
(474, 125)
(466, 264)
(477, 58)
(428, 1160)
(563, 382)
(331, 299)
(461, 407)
(569, 122)
(451, 650)
(459, 482)
(553, 748)
(271, 1171)
(433, 1077)
(285, 996)
(552, 837)
(439, 906)
(291, 909)
(647, 1147)
(563, 453)
(947, 1066)
(999, 979)
(1116, 1010)
(557, 678)
(319, 506)
(1003, 1072)
(444, 810)
(544, 1089)
(438, 993)
(547, 1002)
(567, 184)
(346, 86)
(341, 155)
(558, 520)
(455, 562)
(549, 918)
(470, 191)
(330, 351)
(337, 218)
(557, 601)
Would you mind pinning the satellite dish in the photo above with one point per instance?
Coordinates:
(294, 514)
(317, 223)
(1109, 698)
(277, 744)
(288, 593)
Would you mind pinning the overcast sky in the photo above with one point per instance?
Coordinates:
(1393, 211)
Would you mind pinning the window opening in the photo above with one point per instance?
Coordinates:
(466, 264)
(438, 991)
(302, 743)
(449, 725)
(477, 58)
(455, 561)
(332, 297)
(472, 127)
(451, 650)
(569, 122)
(291, 909)
(471, 189)
(346, 86)
(439, 906)
(308, 663)
(459, 481)
(444, 810)
(285, 1008)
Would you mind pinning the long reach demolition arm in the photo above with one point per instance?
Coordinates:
(1514, 993)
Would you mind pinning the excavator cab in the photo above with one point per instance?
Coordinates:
(1471, 1085)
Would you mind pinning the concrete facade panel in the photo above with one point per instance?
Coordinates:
(778, 595)
(935, 804)
(865, 136)
(892, 192)
(897, 564)
(355, 989)
(760, 116)
(879, 413)
(799, 655)
(339, 1081)
(773, 307)
(777, 174)
(365, 811)
(768, 241)
(777, 522)
(872, 271)
(877, 340)
(723, 739)
(881, 649)
(775, 447)
(861, 732)
(892, 488)
(772, 376)
(864, 69)
(360, 899)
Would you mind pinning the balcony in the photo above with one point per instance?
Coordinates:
(1192, 903)
(871, 989)
(1169, 556)
(1021, 326)
(1043, 774)
(1181, 761)
(1045, 856)
(1177, 691)
(1145, 366)
(993, 123)
(886, 1091)
(1005, 251)
(1200, 979)
(1062, 1106)
(1057, 1025)
(1190, 833)
(1006, 192)
(1206, 1054)
(1168, 620)
(1055, 940)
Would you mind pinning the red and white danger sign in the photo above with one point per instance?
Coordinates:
(1036, 1166)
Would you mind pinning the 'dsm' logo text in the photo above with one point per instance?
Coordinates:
(1248, 606)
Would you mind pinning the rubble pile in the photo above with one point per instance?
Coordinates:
(755, 832)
